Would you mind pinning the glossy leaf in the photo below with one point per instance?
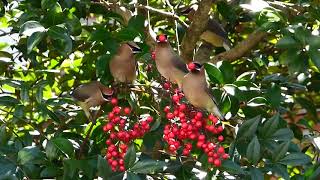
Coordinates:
(248, 128)
(130, 157)
(280, 151)
(284, 134)
(232, 167)
(103, 167)
(295, 159)
(214, 73)
(34, 40)
(30, 155)
(148, 167)
(270, 126)
(253, 150)
(30, 27)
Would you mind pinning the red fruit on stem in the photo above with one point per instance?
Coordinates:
(114, 101)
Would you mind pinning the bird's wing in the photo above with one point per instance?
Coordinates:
(80, 97)
(215, 27)
(177, 62)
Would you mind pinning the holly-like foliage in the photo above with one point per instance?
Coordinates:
(269, 94)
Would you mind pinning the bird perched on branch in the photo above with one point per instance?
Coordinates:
(91, 94)
(214, 32)
(123, 65)
(168, 63)
(195, 89)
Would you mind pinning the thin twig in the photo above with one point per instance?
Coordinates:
(163, 13)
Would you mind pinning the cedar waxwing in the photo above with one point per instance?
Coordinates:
(90, 95)
(168, 63)
(195, 89)
(214, 33)
(123, 64)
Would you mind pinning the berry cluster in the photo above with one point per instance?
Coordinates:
(121, 131)
(187, 127)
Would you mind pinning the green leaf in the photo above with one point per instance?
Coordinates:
(214, 73)
(130, 157)
(314, 55)
(253, 150)
(102, 64)
(29, 27)
(156, 124)
(137, 22)
(7, 166)
(227, 72)
(256, 174)
(8, 101)
(314, 42)
(48, 4)
(247, 76)
(148, 166)
(280, 170)
(295, 159)
(47, 111)
(274, 95)
(270, 126)
(49, 171)
(225, 104)
(296, 60)
(287, 42)
(31, 155)
(73, 24)
(248, 128)
(284, 134)
(257, 101)
(132, 176)
(51, 151)
(231, 167)
(62, 41)
(104, 169)
(34, 40)
(281, 150)
(5, 54)
(64, 145)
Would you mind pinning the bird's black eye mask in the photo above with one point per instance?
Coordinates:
(197, 68)
(107, 96)
(135, 49)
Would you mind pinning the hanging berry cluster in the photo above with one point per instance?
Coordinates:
(187, 127)
(121, 131)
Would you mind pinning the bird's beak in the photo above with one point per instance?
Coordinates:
(186, 11)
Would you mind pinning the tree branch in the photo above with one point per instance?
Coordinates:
(163, 13)
(198, 25)
(241, 48)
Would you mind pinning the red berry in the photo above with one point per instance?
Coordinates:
(219, 129)
(170, 116)
(201, 137)
(217, 162)
(111, 115)
(213, 118)
(199, 144)
(121, 161)
(175, 98)
(210, 160)
(220, 150)
(199, 115)
(182, 107)
(127, 110)
(172, 148)
(191, 66)
(114, 163)
(114, 101)
(225, 156)
(153, 55)
(114, 153)
(116, 109)
(149, 119)
(166, 86)
(188, 146)
(108, 142)
(186, 152)
(220, 138)
(166, 109)
(198, 124)
(122, 168)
